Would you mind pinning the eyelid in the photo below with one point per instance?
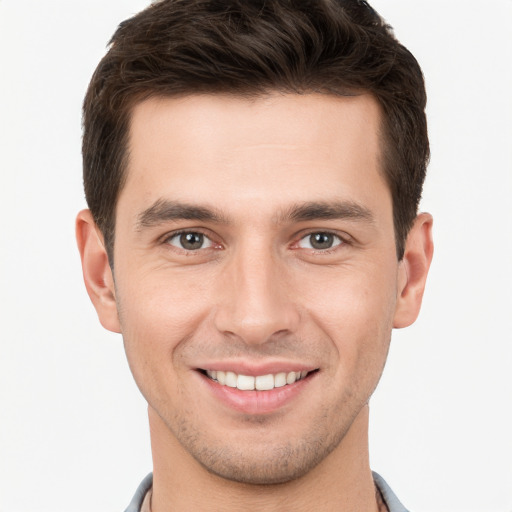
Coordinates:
(165, 239)
(344, 238)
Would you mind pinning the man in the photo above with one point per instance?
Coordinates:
(253, 172)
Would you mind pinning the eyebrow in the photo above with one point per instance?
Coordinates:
(328, 211)
(164, 210)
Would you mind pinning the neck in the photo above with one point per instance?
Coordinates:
(341, 482)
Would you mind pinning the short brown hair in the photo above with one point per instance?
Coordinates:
(248, 48)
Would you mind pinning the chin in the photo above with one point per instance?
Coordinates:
(262, 464)
(273, 472)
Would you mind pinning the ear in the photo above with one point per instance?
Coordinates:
(413, 270)
(97, 273)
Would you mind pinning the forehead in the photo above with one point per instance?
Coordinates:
(223, 151)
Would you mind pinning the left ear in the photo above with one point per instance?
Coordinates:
(413, 270)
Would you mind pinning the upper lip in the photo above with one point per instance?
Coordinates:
(254, 369)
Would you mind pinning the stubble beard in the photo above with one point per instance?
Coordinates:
(262, 460)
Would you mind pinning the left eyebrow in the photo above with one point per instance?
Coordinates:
(164, 210)
(328, 211)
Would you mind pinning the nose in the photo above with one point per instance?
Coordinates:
(256, 303)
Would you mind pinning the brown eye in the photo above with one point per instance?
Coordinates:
(190, 241)
(320, 241)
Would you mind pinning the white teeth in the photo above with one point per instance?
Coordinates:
(280, 380)
(260, 383)
(231, 379)
(245, 382)
(264, 382)
(291, 378)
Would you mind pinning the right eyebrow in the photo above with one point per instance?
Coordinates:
(328, 210)
(164, 210)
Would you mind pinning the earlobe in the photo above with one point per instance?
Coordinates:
(97, 273)
(413, 271)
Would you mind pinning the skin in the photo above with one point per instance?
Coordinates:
(257, 293)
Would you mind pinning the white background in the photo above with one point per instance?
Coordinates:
(73, 428)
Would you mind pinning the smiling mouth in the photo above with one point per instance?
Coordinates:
(259, 382)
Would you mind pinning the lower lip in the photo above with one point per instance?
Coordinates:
(258, 402)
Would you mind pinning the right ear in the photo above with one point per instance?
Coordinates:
(97, 273)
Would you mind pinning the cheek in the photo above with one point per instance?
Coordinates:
(158, 312)
(355, 312)
(157, 319)
(161, 301)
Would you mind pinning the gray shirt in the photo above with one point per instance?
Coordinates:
(390, 499)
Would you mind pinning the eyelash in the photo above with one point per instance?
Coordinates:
(343, 240)
(167, 238)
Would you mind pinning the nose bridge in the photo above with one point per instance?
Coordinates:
(256, 303)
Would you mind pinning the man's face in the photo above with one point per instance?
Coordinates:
(254, 239)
